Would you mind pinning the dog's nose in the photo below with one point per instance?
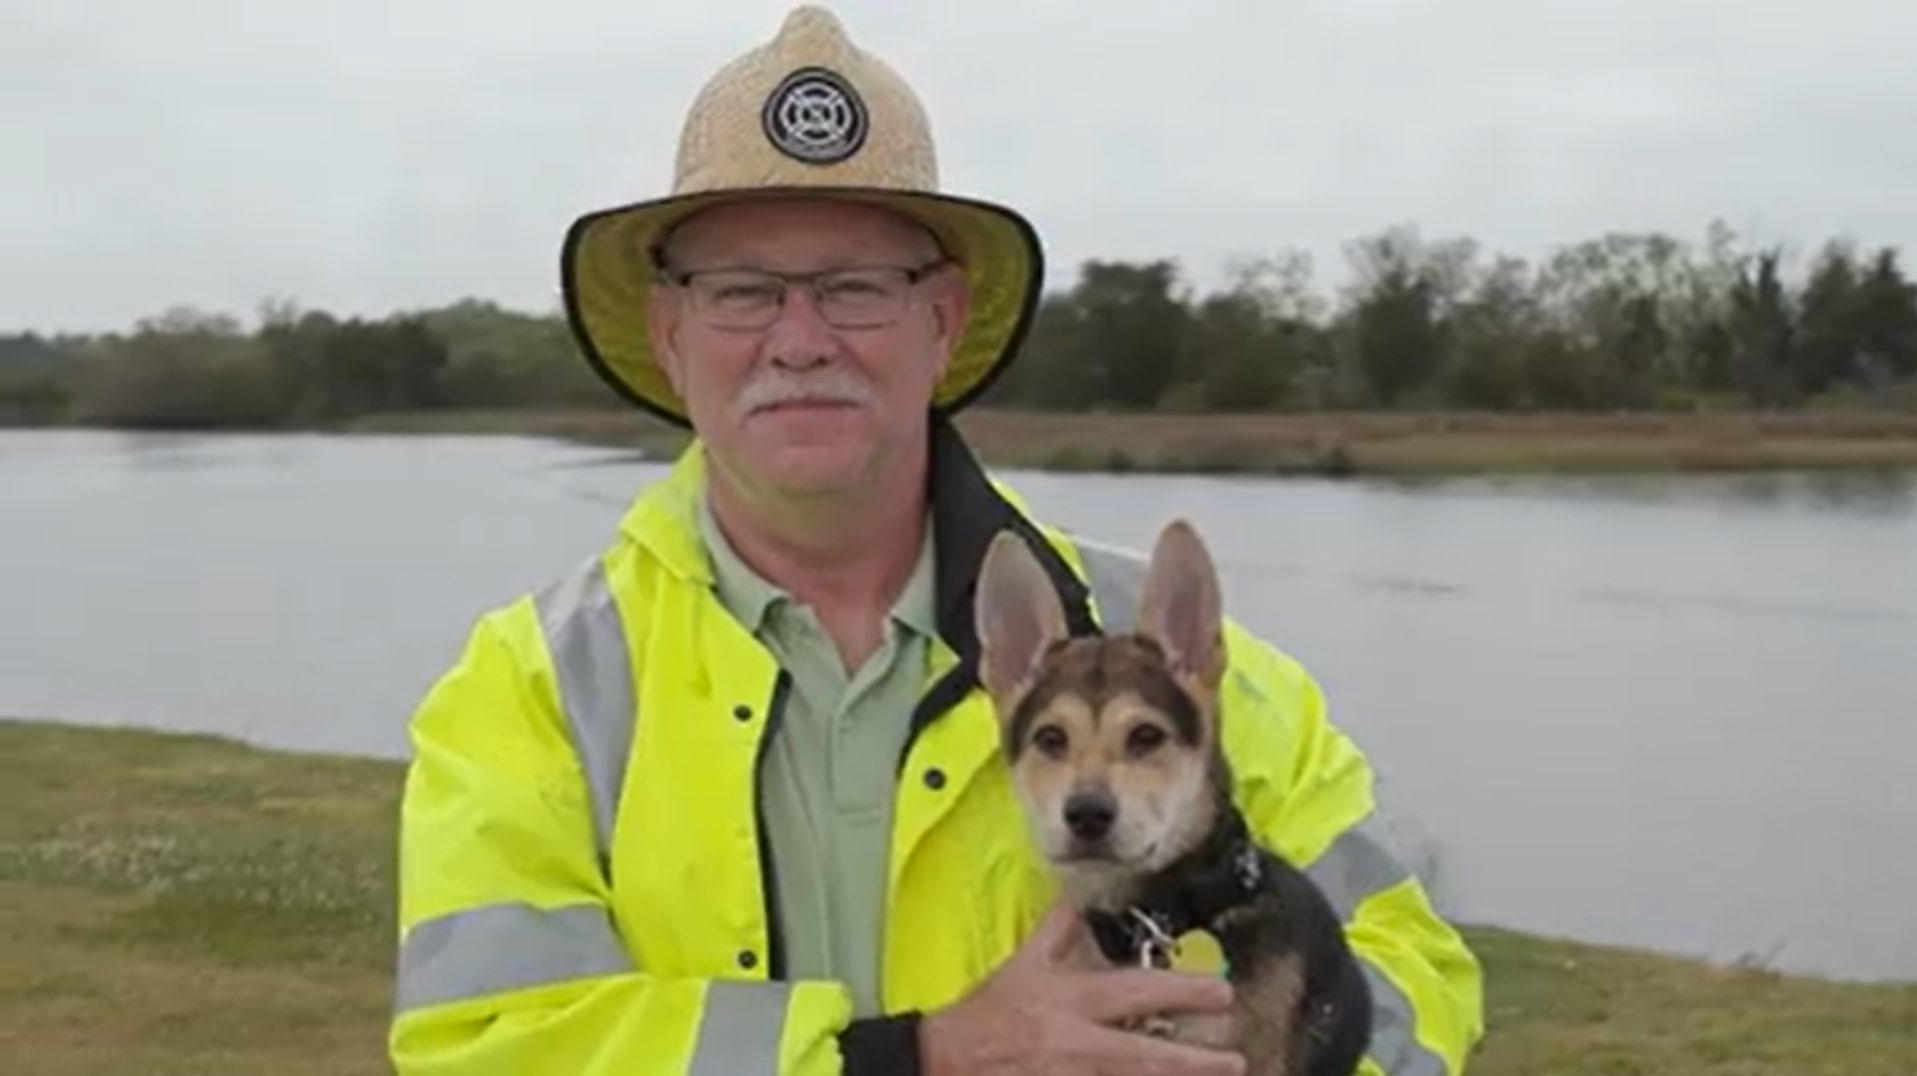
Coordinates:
(1090, 814)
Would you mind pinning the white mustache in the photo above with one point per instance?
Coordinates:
(836, 386)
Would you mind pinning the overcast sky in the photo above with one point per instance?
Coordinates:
(363, 156)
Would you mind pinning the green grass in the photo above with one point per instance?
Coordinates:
(183, 904)
(175, 904)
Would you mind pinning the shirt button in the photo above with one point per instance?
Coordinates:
(934, 778)
(748, 959)
(742, 712)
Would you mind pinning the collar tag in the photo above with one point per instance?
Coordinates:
(1156, 946)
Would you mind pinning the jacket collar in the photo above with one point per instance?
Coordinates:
(968, 511)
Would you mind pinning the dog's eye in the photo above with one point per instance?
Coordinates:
(1050, 739)
(1144, 738)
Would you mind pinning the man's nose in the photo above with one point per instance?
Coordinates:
(800, 335)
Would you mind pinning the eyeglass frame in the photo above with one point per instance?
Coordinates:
(914, 275)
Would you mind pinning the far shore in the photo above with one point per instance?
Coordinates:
(188, 904)
(1336, 444)
(1333, 444)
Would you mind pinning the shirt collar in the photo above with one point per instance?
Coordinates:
(744, 591)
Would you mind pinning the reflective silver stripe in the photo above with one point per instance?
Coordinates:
(503, 947)
(740, 1031)
(1117, 581)
(1358, 864)
(587, 642)
(1392, 1044)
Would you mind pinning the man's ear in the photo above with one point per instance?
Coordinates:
(951, 302)
(1018, 616)
(1181, 607)
(662, 332)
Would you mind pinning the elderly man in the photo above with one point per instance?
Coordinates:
(726, 799)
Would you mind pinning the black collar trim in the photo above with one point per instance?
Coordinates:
(967, 513)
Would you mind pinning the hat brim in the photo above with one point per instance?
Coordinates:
(606, 274)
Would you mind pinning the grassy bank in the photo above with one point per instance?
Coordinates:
(178, 905)
(1327, 443)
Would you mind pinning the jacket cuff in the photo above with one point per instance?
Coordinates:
(881, 1046)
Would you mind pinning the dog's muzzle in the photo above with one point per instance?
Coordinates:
(1089, 816)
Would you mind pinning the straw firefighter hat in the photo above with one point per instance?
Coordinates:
(807, 113)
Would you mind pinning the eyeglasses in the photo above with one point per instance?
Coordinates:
(852, 298)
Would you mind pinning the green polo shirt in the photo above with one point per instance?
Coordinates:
(828, 779)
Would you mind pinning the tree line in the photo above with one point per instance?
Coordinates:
(1636, 321)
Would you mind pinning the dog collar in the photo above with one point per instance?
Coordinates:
(1200, 897)
(1186, 896)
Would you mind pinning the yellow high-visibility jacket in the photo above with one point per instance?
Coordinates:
(583, 884)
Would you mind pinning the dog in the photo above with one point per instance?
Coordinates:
(1113, 745)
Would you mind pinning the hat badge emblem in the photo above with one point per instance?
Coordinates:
(815, 116)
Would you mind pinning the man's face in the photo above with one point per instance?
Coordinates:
(818, 393)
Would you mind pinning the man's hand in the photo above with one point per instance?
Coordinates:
(1043, 1011)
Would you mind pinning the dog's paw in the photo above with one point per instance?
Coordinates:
(1217, 1030)
(1157, 1026)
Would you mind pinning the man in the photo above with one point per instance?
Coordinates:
(727, 799)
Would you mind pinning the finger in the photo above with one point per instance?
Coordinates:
(1131, 992)
(1125, 1053)
(1062, 929)
(1081, 952)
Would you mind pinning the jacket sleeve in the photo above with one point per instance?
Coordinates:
(1308, 791)
(510, 960)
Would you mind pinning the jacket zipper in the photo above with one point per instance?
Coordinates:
(768, 870)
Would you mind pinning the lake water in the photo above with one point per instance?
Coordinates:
(1671, 712)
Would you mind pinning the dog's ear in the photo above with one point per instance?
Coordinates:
(1018, 615)
(1181, 607)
